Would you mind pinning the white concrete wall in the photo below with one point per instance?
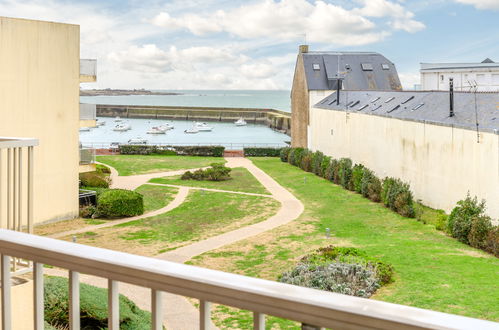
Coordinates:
(486, 79)
(441, 163)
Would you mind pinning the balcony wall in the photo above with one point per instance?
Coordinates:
(88, 115)
(87, 160)
(88, 70)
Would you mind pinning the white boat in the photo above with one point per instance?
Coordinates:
(192, 130)
(240, 122)
(118, 119)
(156, 130)
(100, 123)
(203, 127)
(84, 129)
(137, 140)
(166, 126)
(123, 127)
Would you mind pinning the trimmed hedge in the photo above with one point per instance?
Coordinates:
(262, 152)
(397, 195)
(214, 151)
(284, 154)
(217, 172)
(93, 307)
(95, 179)
(115, 203)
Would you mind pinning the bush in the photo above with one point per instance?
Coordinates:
(306, 161)
(217, 172)
(345, 172)
(295, 156)
(87, 211)
(317, 163)
(326, 161)
(336, 171)
(460, 219)
(329, 174)
(441, 221)
(99, 168)
(262, 152)
(93, 307)
(370, 186)
(95, 179)
(284, 154)
(356, 180)
(397, 195)
(492, 241)
(215, 151)
(480, 227)
(343, 270)
(115, 203)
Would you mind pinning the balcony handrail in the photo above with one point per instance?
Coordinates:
(16, 142)
(88, 67)
(301, 304)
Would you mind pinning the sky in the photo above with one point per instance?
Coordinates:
(220, 44)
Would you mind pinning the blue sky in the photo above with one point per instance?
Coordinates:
(194, 44)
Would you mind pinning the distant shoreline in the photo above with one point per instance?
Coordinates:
(121, 92)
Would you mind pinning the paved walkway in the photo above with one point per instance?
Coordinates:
(179, 313)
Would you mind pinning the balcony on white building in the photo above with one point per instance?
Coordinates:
(88, 70)
(88, 115)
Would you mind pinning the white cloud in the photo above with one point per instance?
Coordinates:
(287, 20)
(400, 18)
(481, 4)
(409, 79)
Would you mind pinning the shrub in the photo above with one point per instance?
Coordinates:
(370, 186)
(492, 241)
(99, 168)
(397, 195)
(345, 172)
(329, 174)
(95, 179)
(215, 151)
(356, 181)
(87, 211)
(217, 172)
(441, 221)
(480, 227)
(306, 161)
(326, 161)
(115, 203)
(93, 307)
(336, 171)
(296, 156)
(284, 154)
(317, 163)
(460, 219)
(262, 152)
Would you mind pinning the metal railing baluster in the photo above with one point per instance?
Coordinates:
(113, 303)
(74, 300)
(38, 306)
(6, 300)
(156, 310)
(204, 315)
(258, 321)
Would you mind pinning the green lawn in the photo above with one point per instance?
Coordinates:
(241, 180)
(433, 271)
(156, 197)
(137, 164)
(203, 214)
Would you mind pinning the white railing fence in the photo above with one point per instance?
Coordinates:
(87, 156)
(88, 67)
(88, 111)
(262, 297)
(16, 183)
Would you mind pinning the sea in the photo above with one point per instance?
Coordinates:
(223, 133)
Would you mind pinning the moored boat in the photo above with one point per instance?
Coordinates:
(240, 122)
(156, 130)
(203, 127)
(137, 140)
(123, 127)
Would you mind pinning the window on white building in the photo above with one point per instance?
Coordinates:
(495, 79)
(442, 78)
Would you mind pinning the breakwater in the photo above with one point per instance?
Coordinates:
(275, 119)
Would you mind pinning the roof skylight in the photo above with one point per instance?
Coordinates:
(316, 66)
(375, 99)
(418, 106)
(363, 107)
(332, 102)
(354, 104)
(385, 66)
(390, 99)
(398, 106)
(367, 66)
(410, 98)
(379, 106)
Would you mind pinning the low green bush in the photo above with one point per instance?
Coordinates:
(99, 168)
(217, 172)
(115, 203)
(95, 179)
(329, 173)
(397, 195)
(345, 173)
(262, 152)
(326, 160)
(460, 219)
(317, 163)
(306, 161)
(370, 186)
(492, 241)
(295, 156)
(284, 154)
(336, 171)
(441, 221)
(93, 307)
(215, 151)
(356, 179)
(480, 227)
(87, 211)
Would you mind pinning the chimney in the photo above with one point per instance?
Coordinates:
(338, 87)
(303, 49)
(451, 95)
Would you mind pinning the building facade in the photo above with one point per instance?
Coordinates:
(484, 75)
(39, 98)
(318, 74)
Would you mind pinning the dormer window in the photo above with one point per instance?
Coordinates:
(385, 66)
(316, 67)
(367, 66)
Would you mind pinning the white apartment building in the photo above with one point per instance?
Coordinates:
(435, 76)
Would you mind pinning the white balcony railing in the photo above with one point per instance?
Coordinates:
(88, 111)
(319, 308)
(87, 156)
(16, 183)
(88, 67)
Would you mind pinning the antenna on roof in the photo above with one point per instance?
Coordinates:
(473, 89)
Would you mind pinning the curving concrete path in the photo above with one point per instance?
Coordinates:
(179, 313)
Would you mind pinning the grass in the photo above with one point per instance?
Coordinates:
(241, 180)
(137, 164)
(433, 271)
(202, 215)
(156, 197)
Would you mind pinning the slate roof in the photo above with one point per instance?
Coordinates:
(422, 106)
(370, 77)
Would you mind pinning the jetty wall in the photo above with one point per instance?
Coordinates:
(275, 119)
